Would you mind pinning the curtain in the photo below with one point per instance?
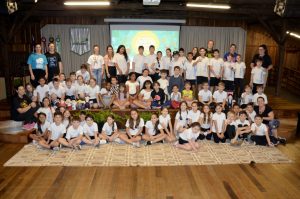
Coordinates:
(197, 36)
(72, 61)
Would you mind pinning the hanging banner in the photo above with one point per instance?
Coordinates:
(58, 44)
(80, 40)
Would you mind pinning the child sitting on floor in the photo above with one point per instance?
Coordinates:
(206, 123)
(166, 123)
(109, 130)
(181, 119)
(153, 131)
(187, 139)
(91, 132)
(74, 135)
(41, 128)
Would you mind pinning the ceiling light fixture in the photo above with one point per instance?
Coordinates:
(87, 3)
(210, 6)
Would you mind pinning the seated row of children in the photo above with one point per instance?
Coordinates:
(189, 126)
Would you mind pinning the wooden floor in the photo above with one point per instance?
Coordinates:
(188, 182)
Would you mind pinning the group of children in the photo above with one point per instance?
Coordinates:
(187, 83)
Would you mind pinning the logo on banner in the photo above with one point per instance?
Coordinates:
(80, 40)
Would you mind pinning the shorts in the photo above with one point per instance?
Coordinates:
(201, 79)
(94, 101)
(214, 81)
(192, 81)
(228, 85)
(92, 137)
(182, 141)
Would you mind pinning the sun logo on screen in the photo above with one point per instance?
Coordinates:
(144, 38)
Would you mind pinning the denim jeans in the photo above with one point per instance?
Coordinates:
(97, 73)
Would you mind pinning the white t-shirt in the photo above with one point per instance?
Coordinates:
(90, 130)
(146, 94)
(189, 135)
(252, 115)
(246, 98)
(164, 120)
(194, 116)
(48, 111)
(104, 91)
(228, 71)
(41, 91)
(57, 131)
(257, 95)
(261, 129)
(239, 69)
(206, 122)
(183, 120)
(95, 61)
(239, 123)
(216, 64)
(141, 80)
(93, 92)
(86, 75)
(173, 64)
(206, 95)
(73, 133)
(150, 126)
(258, 75)
(220, 96)
(70, 91)
(164, 83)
(135, 130)
(219, 118)
(44, 127)
(151, 59)
(139, 61)
(202, 66)
(182, 59)
(108, 130)
(132, 87)
(176, 96)
(121, 61)
(190, 70)
(58, 92)
(80, 89)
(166, 61)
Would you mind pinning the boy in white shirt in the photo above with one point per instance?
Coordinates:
(163, 82)
(175, 62)
(246, 97)
(250, 112)
(239, 74)
(190, 70)
(74, 135)
(243, 127)
(57, 92)
(138, 62)
(220, 95)
(205, 95)
(106, 96)
(258, 75)
(80, 88)
(182, 57)
(141, 79)
(56, 131)
(216, 66)
(84, 73)
(202, 69)
(150, 61)
(218, 125)
(42, 90)
(260, 133)
(194, 113)
(70, 90)
(228, 73)
(259, 93)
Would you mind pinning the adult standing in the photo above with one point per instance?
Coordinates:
(55, 66)
(37, 63)
(110, 67)
(268, 118)
(210, 49)
(232, 50)
(96, 64)
(267, 61)
(23, 108)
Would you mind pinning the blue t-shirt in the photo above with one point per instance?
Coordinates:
(37, 61)
(234, 56)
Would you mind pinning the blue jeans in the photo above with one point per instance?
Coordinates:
(97, 73)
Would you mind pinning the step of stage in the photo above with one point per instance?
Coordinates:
(12, 132)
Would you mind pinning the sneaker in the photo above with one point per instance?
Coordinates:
(136, 144)
(34, 142)
(282, 140)
(148, 143)
(97, 145)
(55, 148)
(103, 142)
(78, 147)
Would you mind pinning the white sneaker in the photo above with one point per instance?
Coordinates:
(56, 148)
(136, 144)
(34, 142)
(118, 140)
(103, 142)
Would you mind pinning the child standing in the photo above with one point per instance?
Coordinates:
(150, 61)
(134, 128)
(202, 68)
(175, 62)
(166, 61)
(138, 62)
(56, 131)
(90, 129)
(228, 73)
(122, 64)
(187, 139)
(239, 73)
(166, 123)
(42, 90)
(190, 70)
(216, 65)
(163, 82)
(260, 93)
(74, 135)
(176, 79)
(96, 64)
(84, 73)
(153, 131)
(141, 79)
(218, 125)
(258, 75)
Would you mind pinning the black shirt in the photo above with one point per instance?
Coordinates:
(158, 96)
(266, 60)
(19, 103)
(266, 112)
(53, 60)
